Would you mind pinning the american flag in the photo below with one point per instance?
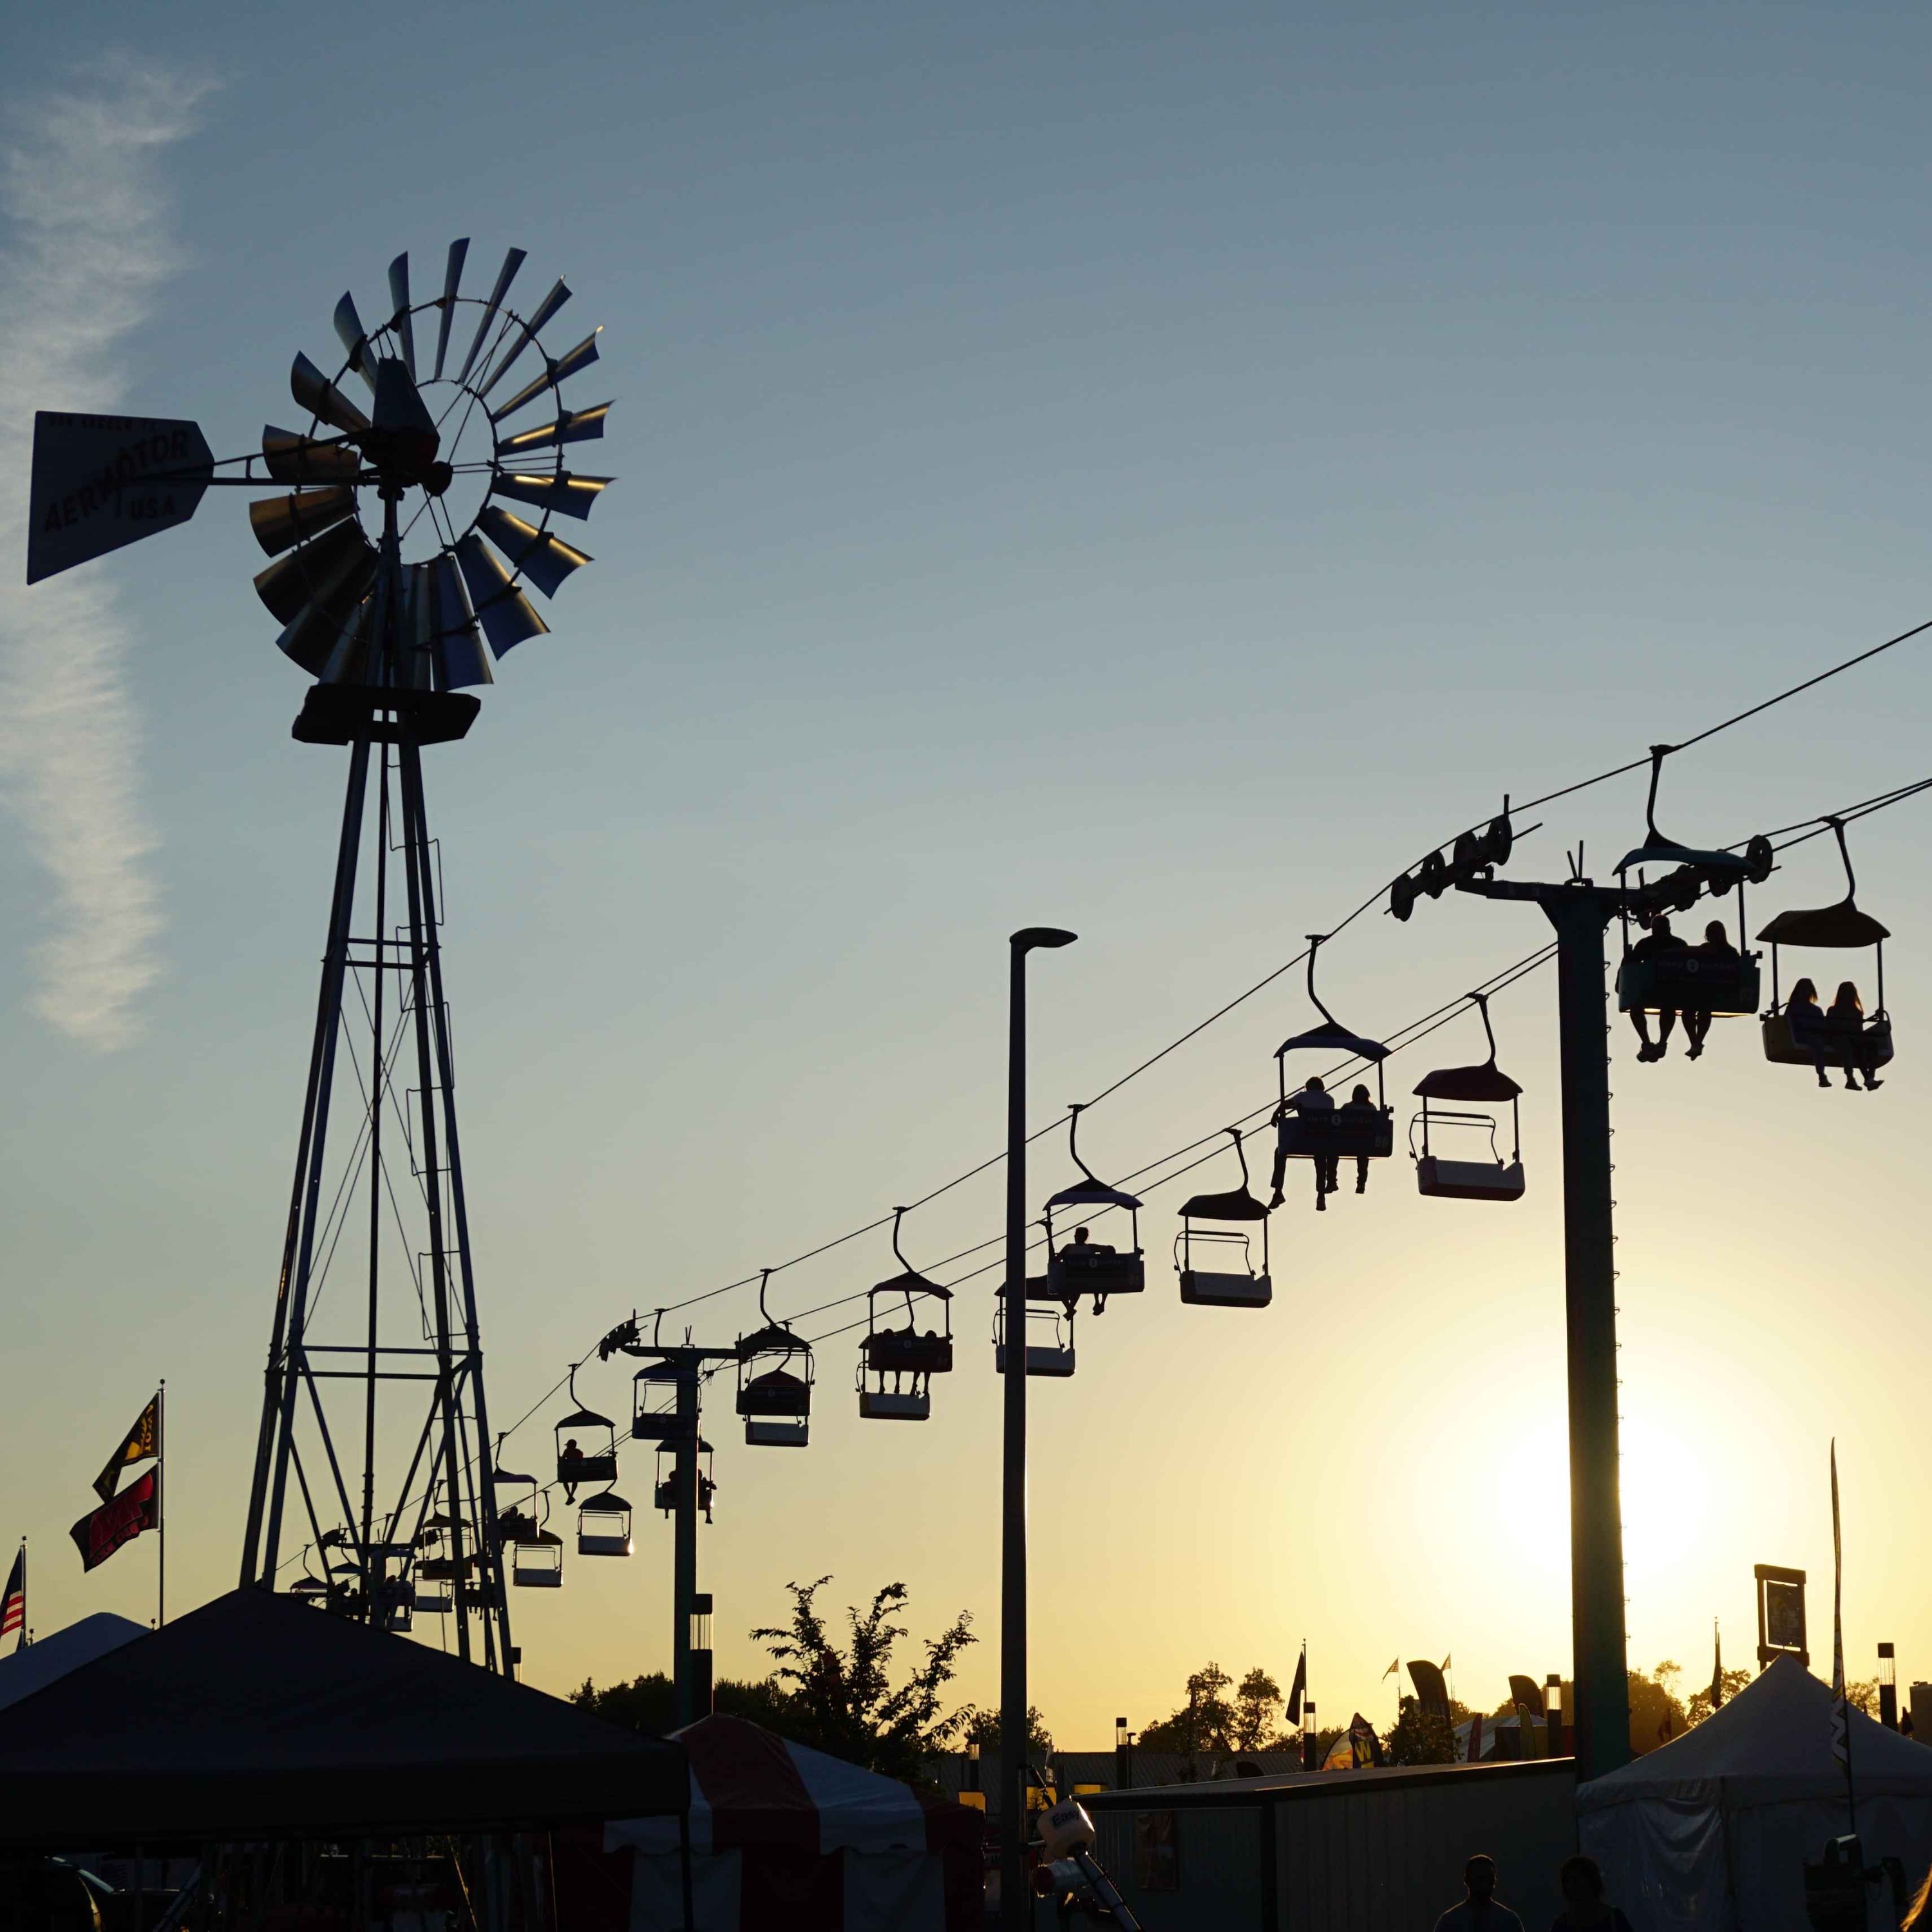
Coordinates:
(13, 1604)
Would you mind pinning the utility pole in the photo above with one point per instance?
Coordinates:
(1015, 1898)
(1581, 913)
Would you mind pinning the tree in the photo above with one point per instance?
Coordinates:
(1657, 1714)
(1420, 1736)
(649, 1703)
(843, 1701)
(1203, 1724)
(979, 1727)
(1254, 1728)
(1698, 1707)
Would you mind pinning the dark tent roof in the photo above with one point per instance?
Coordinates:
(256, 1717)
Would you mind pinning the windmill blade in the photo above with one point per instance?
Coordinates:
(452, 281)
(544, 559)
(290, 458)
(354, 338)
(555, 490)
(100, 482)
(507, 616)
(311, 636)
(572, 426)
(320, 396)
(400, 318)
(545, 309)
(315, 569)
(460, 658)
(352, 661)
(512, 261)
(581, 357)
(280, 521)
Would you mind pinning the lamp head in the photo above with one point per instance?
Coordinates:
(1029, 936)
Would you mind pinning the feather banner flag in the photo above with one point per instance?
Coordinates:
(1299, 1689)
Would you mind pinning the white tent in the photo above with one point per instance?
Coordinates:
(1712, 1831)
(23, 1672)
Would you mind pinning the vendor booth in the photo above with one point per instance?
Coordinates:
(1714, 1829)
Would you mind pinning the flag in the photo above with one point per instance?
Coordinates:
(1365, 1749)
(1299, 1689)
(1841, 1722)
(1717, 1666)
(13, 1604)
(1446, 1663)
(140, 1442)
(1476, 1738)
(98, 1535)
(1392, 1669)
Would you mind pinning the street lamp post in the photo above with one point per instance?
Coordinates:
(1015, 1899)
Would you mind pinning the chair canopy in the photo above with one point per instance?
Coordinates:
(1238, 1204)
(1842, 925)
(1332, 1037)
(1091, 1194)
(1486, 1085)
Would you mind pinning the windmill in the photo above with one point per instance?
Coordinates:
(398, 574)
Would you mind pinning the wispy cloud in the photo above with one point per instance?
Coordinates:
(86, 213)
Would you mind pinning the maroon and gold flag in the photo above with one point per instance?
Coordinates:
(140, 1442)
(97, 1535)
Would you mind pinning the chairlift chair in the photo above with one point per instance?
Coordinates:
(1688, 981)
(775, 1377)
(1086, 1267)
(1842, 926)
(603, 1526)
(653, 1387)
(576, 1464)
(521, 1515)
(537, 1561)
(1340, 1134)
(1049, 1339)
(1486, 1085)
(1234, 1282)
(664, 1493)
(908, 1357)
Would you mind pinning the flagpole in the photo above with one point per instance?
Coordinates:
(160, 1505)
(24, 1639)
(1838, 1683)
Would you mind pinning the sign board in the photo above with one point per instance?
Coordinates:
(100, 482)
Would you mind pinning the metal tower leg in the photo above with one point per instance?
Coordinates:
(259, 1560)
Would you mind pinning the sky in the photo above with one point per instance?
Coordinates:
(1149, 470)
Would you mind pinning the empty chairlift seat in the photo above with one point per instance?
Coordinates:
(537, 1561)
(1228, 1278)
(1049, 1339)
(603, 1526)
(1468, 1175)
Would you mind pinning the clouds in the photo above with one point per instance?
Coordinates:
(83, 198)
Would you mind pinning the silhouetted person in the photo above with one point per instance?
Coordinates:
(1585, 1907)
(1315, 1104)
(1716, 947)
(1809, 1033)
(1479, 1912)
(1358, 1114)
(1083, 1248)
(1846, 1017)
(1659, 939)
(568, 1468)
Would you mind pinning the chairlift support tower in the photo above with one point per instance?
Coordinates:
(374, 1423)
(684, 1366)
